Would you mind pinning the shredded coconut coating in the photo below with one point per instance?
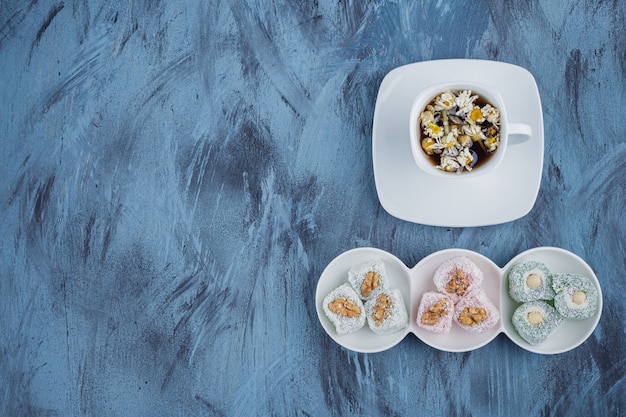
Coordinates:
(444, 320)
(344, 325)
(470, 270)
(535, 334)
(358, 273)
(396, 318)
(571, 305)
(519, 289)
(478, 300)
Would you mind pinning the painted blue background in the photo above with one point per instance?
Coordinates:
(176, 175)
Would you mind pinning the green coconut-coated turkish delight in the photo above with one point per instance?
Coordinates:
(576, 296)
(535, 321)
(530, 281)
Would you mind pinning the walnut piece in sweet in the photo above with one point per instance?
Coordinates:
(370, 283)
(458, 283)
(344, 307)
(435, 312)
(382, 309)
(471, 316)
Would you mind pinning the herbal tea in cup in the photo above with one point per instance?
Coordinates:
(461, 130)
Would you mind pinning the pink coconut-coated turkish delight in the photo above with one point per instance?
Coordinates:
(476, 313)
(457, 277)
(435, 312)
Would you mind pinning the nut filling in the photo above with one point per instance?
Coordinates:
(344, 307)
(535, 318)
(370, 283)
(382, 309)
(579, 297)
(435, 313)
(533, 281)
(458, 283)
(471, 316)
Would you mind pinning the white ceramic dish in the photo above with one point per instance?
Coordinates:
(336, 273)
(406, 192)
(572, 332)
(458, 340)
(413, 282)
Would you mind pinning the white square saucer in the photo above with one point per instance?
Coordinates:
(506, 194)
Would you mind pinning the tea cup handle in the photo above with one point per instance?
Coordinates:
(518, 133)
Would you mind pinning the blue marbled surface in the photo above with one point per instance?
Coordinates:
(175, 177)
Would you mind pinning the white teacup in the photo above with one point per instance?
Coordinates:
(510, 133)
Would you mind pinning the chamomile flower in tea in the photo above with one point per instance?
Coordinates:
(491, 113)
(465, 102)
(445, 101)
(433, 130)
(460, 130)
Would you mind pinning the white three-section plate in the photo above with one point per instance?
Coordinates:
(414, 282)
(407, 193)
